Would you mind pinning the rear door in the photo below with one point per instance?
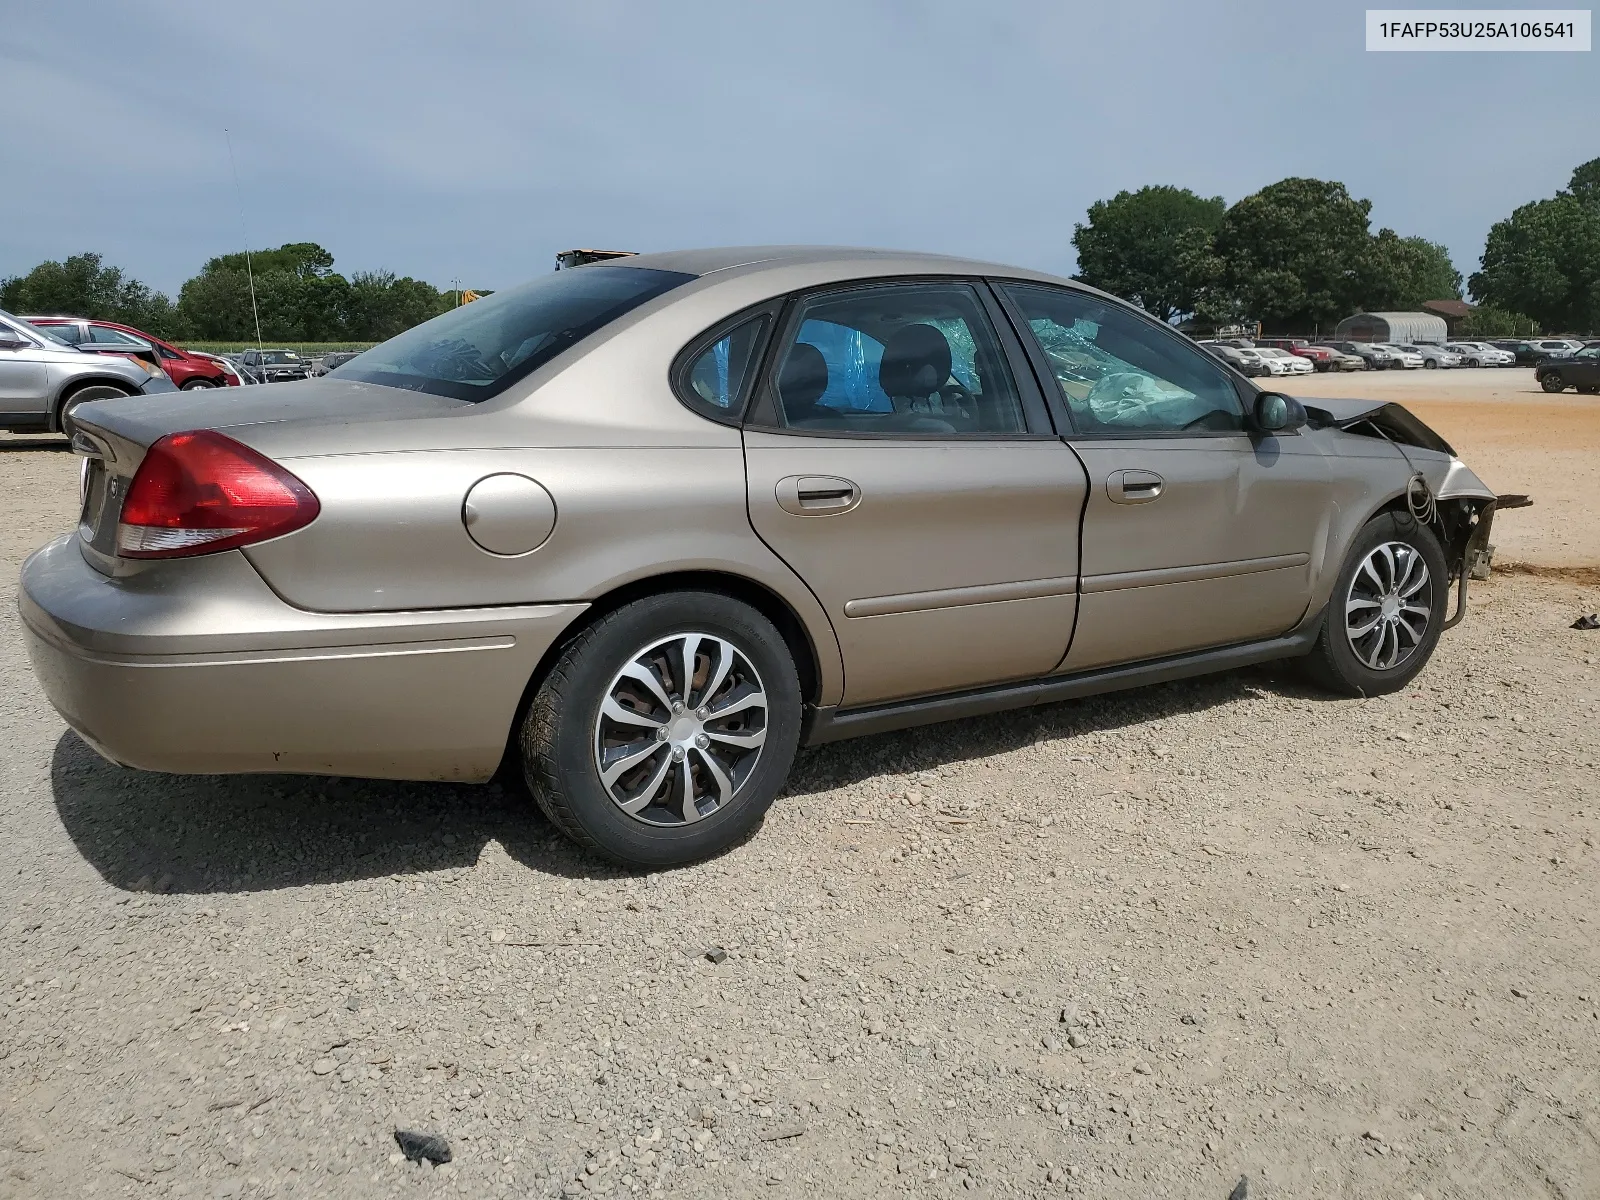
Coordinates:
(1197, 532)
(902, 467)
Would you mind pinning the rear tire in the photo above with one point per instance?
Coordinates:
(84, 395)
(1374, 640)
(1553, 382)
(725, 771)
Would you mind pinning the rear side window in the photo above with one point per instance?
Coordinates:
(480, 349)
(1120, 374)
(68, 333)
(715, 377)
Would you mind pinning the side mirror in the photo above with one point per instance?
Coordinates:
(10, 341)
(1276, 413)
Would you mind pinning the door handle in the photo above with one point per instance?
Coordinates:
(816, 495)
(1134, 487)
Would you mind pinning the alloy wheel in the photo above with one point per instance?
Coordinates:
(1389, 606)
(680, 729)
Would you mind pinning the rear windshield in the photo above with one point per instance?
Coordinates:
(479, 349)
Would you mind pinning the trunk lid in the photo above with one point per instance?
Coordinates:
(112, 436)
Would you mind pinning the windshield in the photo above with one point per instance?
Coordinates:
(280, 357)
(479, 349)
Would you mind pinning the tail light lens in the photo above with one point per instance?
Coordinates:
(200, 492)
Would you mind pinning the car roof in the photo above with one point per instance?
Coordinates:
(871, 261)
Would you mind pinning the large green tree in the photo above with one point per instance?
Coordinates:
(292, 289)
(1296, 255)
(300, 297)
(381, 305)
(83, 286)
(1150, 246)
(1406, 271)
(1544, 259)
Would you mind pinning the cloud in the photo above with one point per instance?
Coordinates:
(475, 140)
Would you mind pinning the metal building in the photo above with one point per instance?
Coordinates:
(1402, 327)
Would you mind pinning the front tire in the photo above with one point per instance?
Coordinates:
(1553, 382)
(1386, 612)
(664, 732)
(197, 385)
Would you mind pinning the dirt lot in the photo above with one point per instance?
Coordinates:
(1132, 947)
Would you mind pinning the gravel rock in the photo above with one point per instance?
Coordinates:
(417, 1145)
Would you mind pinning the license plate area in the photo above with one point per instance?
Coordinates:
(102, 504)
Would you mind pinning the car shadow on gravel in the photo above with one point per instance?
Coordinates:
(202, 834)
(932, 746)
(243, 833)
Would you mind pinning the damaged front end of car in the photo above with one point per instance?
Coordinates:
(1442, 492)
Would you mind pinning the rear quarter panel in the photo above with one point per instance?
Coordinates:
(391, 535)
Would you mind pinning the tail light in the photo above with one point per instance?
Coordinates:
(195, 493)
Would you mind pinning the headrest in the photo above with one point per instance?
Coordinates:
(803, 380)
(916, 362)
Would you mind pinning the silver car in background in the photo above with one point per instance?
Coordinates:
(42, 378)
(1399, 357)
(1481, 354)
(1433, 357)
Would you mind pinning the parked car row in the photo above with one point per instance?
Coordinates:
(44, 378)
(1530, 352)
(1269, 356)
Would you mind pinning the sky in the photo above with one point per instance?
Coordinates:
(473, 140)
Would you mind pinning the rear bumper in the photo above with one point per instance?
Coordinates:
(203, 669)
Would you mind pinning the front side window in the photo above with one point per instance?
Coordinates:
(480, 349)
(1120, 374)
(917, 358)
(101, 336)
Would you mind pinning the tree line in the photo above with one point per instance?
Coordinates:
(298, 298)
(1300, 254)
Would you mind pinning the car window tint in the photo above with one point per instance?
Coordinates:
(109, 337)
(1118, 372)
(717, 377)
(902, 358)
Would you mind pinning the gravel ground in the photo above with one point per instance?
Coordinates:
(1138, 946)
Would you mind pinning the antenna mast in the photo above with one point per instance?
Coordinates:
(249, 268)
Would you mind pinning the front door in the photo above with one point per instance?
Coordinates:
(910, 477)
(1198, 533)
(22, 377)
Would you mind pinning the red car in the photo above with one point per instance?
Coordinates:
(188, 371)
